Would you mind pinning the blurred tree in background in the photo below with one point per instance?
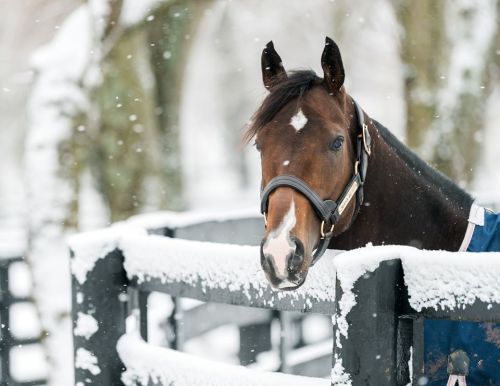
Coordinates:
(450, 49)
(104, 128)
(423, 50)
(137, 154)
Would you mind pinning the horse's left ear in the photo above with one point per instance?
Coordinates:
(333, 69)
(272, 66)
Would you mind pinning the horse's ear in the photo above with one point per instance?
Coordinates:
(272, 67)
(333, 69)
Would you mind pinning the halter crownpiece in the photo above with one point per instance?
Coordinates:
(329, 211)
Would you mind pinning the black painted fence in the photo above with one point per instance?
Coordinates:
(7, 340)
(389, 336)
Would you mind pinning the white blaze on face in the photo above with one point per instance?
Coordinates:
(299, 120)
(279, 243)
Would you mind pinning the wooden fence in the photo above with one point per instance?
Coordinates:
(8, 340)
(114, 271)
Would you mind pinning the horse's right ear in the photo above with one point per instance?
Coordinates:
(272, 67)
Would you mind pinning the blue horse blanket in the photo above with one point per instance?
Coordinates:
(481, 341)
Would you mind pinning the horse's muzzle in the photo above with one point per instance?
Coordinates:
(284, 272)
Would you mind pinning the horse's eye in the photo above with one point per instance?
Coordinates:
(337, 143)
(256, 146)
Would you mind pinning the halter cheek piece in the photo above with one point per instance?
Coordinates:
(329, 211)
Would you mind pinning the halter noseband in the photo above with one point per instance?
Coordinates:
(329, 211)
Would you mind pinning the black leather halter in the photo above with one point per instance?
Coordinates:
(329, 211)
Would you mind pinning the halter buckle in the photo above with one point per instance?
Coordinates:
(366, 139)
(329, 233)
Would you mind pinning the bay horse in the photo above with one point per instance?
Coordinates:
(332, 177)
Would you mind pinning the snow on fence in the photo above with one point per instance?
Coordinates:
(378, 297)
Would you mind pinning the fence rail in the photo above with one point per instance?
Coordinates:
(374, 317)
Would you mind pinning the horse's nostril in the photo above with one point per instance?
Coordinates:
(295, 261)
(297, 258)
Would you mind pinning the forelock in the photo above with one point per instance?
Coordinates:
(294, 87)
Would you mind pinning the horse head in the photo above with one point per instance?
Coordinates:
(307, 132)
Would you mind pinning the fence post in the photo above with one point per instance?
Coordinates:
(5, 341)
(370, 352)
(103, 297)
(254, 339)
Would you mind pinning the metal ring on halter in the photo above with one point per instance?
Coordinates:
(356, 167)
(323, 234)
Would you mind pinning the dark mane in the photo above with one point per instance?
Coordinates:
(295, 86)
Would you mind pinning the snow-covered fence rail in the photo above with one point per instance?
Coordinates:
(8, 340)
(379, 298)
(215, 272)
(219, 273)
(241, 228)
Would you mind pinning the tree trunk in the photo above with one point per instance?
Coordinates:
(170, 35)
(471, 29)
(137, 157)
(446, 47)
(423, 52)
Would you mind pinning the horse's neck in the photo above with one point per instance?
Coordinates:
(406, 202)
